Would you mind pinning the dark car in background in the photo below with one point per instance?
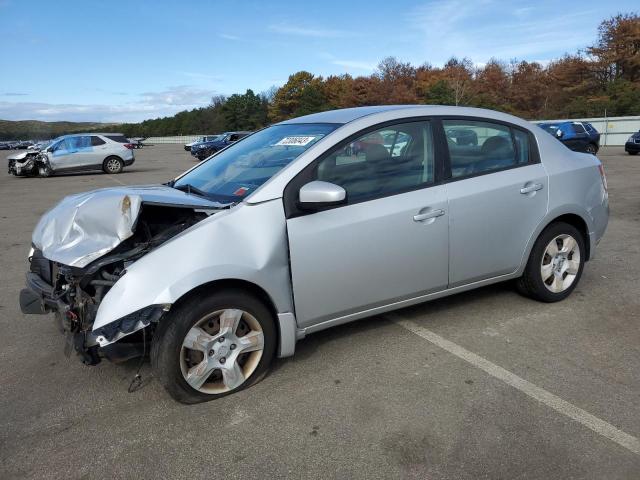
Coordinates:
(203, 150)
(632, 146)
(578, 136)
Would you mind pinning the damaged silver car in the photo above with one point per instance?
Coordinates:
(308, 224)
(109, 152)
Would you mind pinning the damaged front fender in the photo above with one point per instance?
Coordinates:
(247, 242)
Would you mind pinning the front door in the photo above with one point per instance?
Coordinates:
(389, 242)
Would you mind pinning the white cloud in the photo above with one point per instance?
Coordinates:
(226, 36)
(180, 95)
(149, 105)
(308, 32)
(487, 28)
(355, 65)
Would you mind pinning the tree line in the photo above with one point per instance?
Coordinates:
(602, 79)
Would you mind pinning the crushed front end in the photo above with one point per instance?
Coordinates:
(68, 278)
(29, 164)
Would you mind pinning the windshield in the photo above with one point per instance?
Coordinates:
(240, 169)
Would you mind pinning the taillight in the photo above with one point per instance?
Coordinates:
(603, 177)
(129, 146)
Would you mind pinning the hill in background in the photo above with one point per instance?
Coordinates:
(37, 130)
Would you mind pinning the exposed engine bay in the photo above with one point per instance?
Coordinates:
(30, 164)
(72, 285)
(75, 293)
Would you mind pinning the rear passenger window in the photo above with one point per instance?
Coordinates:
(386, 161)
(477, 147)
(577, 128)
(95, 141)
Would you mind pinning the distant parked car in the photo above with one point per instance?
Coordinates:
(205, 149)
(578, 136)
(206, 138)
(109, 152)
(137, 141)
(632, 147)
(4, 146)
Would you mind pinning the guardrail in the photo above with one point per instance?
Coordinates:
(173, 139)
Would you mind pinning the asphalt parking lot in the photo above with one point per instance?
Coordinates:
(371, 399)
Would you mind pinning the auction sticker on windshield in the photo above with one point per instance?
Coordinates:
(296, 141)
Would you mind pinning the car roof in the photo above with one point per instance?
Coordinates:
(347, 115)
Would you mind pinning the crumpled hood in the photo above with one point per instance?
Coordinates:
(21, 155)
(86, 226)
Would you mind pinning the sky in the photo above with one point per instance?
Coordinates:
(126, 61)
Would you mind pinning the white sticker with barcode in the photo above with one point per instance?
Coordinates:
(295, 141)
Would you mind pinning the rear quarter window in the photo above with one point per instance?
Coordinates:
(118, 138)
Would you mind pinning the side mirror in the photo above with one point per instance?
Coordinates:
(559, 133)
(319, 194)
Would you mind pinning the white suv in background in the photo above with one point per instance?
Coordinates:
(109, 152)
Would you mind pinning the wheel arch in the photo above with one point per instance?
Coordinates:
(286, 326)
(572, 217)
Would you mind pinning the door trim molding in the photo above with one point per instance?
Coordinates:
(404, 303)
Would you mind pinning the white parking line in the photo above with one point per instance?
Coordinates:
(116, 180)
(599, 426)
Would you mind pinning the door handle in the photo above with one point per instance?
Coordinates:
(427, 215)
(531, 188)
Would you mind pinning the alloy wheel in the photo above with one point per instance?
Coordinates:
(560, 263)
(113, 165)
(221, 351)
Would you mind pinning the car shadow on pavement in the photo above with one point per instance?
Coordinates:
(307, 347)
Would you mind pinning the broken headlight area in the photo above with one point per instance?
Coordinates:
(131, 323)
(74, 294)
(32, 165)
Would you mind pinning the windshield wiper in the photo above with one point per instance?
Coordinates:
(189, 189)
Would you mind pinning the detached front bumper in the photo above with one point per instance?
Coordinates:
(38, 297)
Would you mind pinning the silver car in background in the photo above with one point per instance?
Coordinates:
(312, 223)
(109, 152)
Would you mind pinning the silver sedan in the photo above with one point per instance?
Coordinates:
(311, 223)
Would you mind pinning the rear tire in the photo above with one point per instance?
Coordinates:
(632, 153)
(592, 148)
(555, 264)
(211, 346)
(112, 165)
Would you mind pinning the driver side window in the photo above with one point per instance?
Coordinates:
(389, 160)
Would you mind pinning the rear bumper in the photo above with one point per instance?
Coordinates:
(129, 162)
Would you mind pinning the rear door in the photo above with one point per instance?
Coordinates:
(580, 138)
(100, 150)
(498, 194)
(388, 243)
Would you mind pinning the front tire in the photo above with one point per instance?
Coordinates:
(209, 347)
(555, 264)
(112, 165)
(632, 153)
